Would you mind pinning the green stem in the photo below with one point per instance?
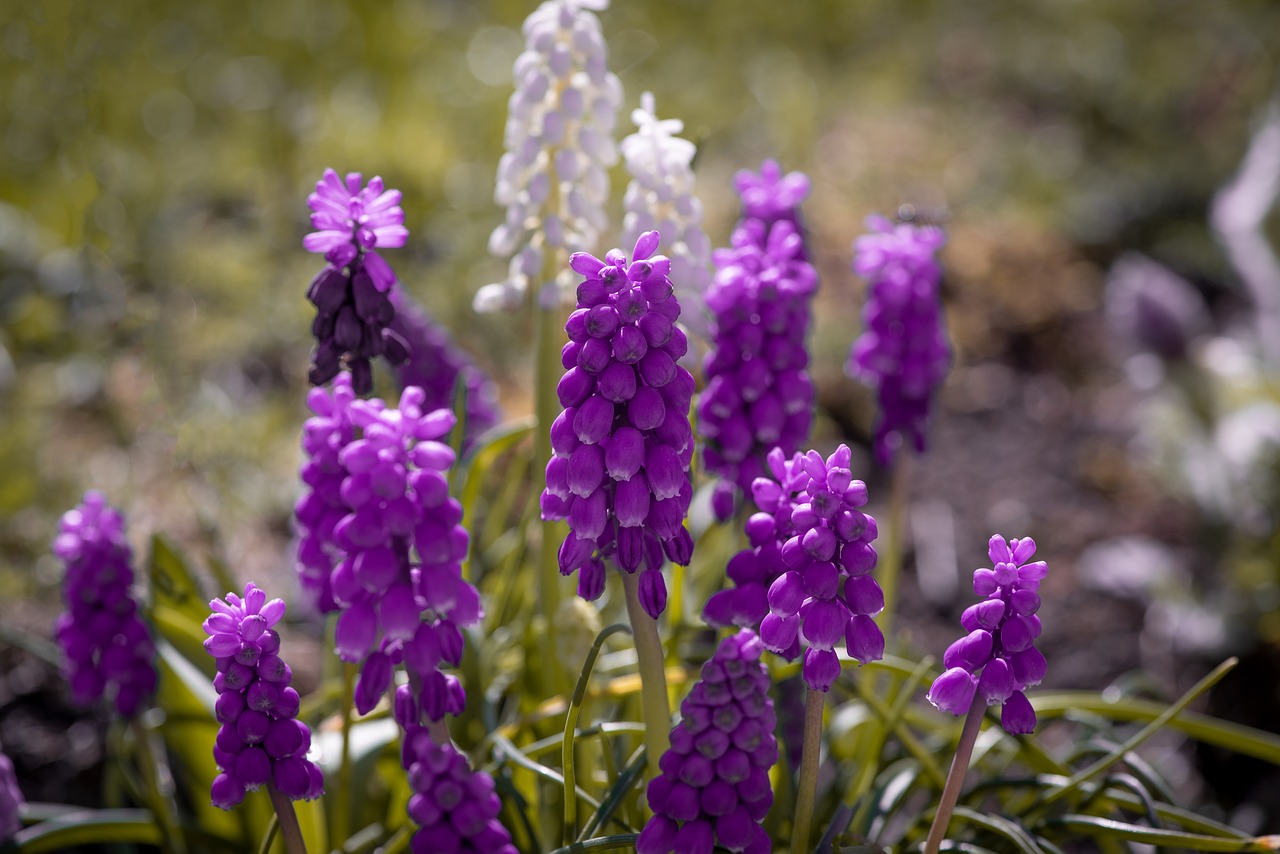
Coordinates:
(653, 674)
(290, 832)
(342, 814)
(807, 788)
(955, 777)
(891, 558)
(155, 770)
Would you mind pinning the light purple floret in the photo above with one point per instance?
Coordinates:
(11, 800)
(108, 648)
(903, 352)
(807, 578)
(759, 395)
(714, 788)
(623, 445)
(261, 741)
(455, 808)
(383, 540)
(351, 293)
(997, 659)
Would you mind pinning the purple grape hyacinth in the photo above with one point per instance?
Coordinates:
(998, 660)
(825, 593)
(456, 808)
(903, 352)
(759, 395)
(380, 494)
(714, 787)
(109, 650)
(351, 293)
(11, 800)
(623, 445)
(261, 741)
(439, 368)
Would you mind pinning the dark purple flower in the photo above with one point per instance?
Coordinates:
(351, 293)
(383, 542)
(455, 808)
(997, 659)
(620, 473)
(440, 369)
(903, 352)
(759, 395)
(11, 800)
(806, 580)
(108, 649)
(261, 740)
(714, 787)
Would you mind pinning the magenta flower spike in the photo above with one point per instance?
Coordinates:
(351, 294)
(455, 808)
(807, 578)
(261, 741)
(623, 445)
(109, 650)
(903, 352)
(714, 787)
(998, 659)
(759, 395)
(11, 800)
(383, 542)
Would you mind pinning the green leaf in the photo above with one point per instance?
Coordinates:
(172, 583)
(622, 842)
(90, 827)
(1106, 827)
(571, 725)
(1010, 830)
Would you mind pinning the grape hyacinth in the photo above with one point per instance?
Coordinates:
(998, 659)
(351, 293)
(456, 808)
(439, 368)
(11, 800)
(623, 445)
(660, 197)
(771, 196)
(261, 741)
(759, 395)
(812, 507)
(903, 352)
(109, 650)
(714, 787)
(553, 177)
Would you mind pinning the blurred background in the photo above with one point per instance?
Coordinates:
(1110, 287)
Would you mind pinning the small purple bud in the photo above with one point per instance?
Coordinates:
(1017, 716)
(953, 691)
(653, 593)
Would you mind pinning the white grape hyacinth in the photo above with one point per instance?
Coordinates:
(660, 197)
(553, 178)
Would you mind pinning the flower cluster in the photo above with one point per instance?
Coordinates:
(771, 196)
(440, 369)
(714, 787)
(903, 353)
(623, 445)
(261, 741)
(812, 512)
(455, 807)
(108, 648)
(11, 800)
(998, 659)
(351, 293)
(553, 177)
(759, 395)
(660, 197)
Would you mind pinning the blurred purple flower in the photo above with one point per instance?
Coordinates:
(351, 293)
(759, 395)
(261, 741)
(455, 808)
(623, 445)
(903, 352)
(108, 648)
(714, 787)
(998, 659)
(11, 800)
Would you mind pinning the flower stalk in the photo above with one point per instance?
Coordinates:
(653, 674)
(287, 821)
(807, 790)
(955, 777)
